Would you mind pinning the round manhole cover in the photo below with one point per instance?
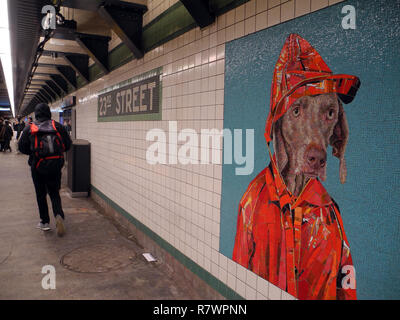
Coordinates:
(98, 258)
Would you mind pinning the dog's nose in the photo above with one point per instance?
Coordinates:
(315, 158)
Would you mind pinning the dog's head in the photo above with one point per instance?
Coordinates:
(302, 135)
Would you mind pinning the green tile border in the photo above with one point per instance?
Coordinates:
(203, 274)
(118, 56)
(168, 25)
(162, 15)
(133, 117)
(143, 76)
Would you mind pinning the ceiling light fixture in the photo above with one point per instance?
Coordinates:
(5, 52)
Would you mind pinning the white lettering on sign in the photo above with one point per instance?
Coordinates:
(140, 97)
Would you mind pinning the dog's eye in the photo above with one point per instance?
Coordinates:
(296, 111)
(331, 113)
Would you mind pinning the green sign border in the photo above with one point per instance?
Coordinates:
(135, 117)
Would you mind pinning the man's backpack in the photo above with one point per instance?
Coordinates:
(47, 147)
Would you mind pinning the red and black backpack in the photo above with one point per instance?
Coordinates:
(47, 147)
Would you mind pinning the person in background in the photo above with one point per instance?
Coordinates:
(8, 133)
(68, 126)
(45, 141)
(19, 127)
(30, 120)
(2, 132)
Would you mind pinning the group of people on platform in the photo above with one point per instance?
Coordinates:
(7, 131)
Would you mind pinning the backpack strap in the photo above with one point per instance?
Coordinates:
(34, 130)
(58, 134)
(48, 158)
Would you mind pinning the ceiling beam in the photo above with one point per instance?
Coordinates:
(80, 63)
(35, 85)
(50, 65)
(54, 87)
(200, 11)
(37, 81)
(60, 82)
(50, 92)
(41, 97)
(96, 47)
(33, 90)
(36, 100)
(68, 74)
(45, 95)
(59, 54)
(65, 32)
(126, 20)
(44, 74)
(93, 5)
(88, 5)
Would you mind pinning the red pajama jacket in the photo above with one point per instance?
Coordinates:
(296, 243)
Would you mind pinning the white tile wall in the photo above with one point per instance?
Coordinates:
(181, 203)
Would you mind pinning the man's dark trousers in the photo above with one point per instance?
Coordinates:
(47, 184)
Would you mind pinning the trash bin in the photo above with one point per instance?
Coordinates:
(78, 164)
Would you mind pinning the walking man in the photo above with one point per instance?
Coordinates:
(45, 141)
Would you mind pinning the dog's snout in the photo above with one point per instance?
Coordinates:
(315, 158)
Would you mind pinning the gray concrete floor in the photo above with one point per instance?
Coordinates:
(91, 242)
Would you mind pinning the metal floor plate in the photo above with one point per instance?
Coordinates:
(98, 258)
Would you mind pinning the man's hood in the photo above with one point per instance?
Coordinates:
(42, 112)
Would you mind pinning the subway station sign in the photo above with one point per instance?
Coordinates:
(138, 98)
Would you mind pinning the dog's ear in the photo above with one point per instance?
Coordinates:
(279, 146)
(338, 141)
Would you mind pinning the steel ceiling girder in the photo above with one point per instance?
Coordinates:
(96, 47)
(126, 20)
(50, 92)
(60, 82)
(54, 87)
(68, 74)
(200, 11)
(80, 63)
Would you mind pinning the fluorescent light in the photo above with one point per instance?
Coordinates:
(4, 109)
(5, 52)
(57, 42)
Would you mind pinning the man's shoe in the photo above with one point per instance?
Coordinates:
(43, 226)
(60, 226)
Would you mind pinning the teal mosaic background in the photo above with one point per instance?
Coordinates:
(369, 201)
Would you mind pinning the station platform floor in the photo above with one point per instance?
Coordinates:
(93, 260)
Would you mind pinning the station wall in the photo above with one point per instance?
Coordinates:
(367, 198)
(181, 203)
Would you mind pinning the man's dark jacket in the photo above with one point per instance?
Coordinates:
(20, 126)
(42, 113)
(8, 133)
